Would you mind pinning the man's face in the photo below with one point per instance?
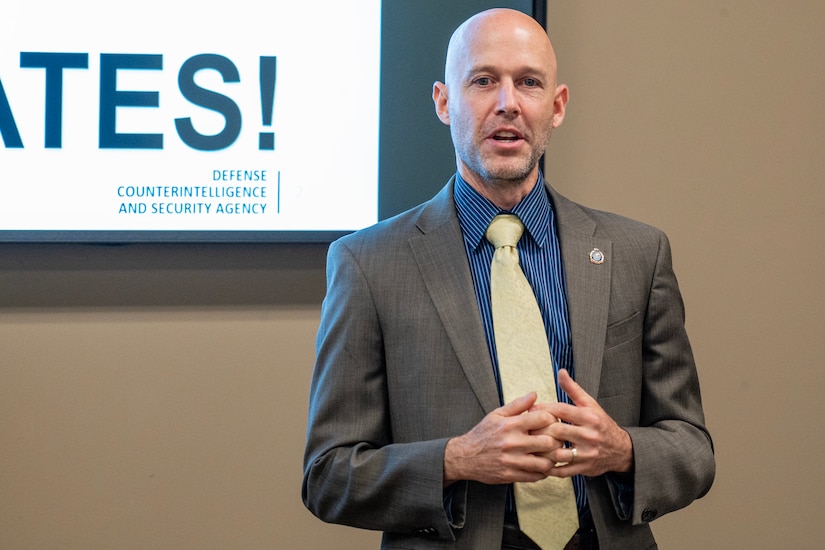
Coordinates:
(502, 101)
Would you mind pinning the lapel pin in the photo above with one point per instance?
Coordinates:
(596, 256)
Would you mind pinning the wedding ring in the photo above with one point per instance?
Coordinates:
(574, 455)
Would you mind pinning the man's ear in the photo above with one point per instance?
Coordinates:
(440, 97)
(560, 104)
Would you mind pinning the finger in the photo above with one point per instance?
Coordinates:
(545, 407)
(564, 431)
(563, 469)
(572, 389)
(563, 461)
(542, 406)
(565, 413)
(537, 422)
(519, 405)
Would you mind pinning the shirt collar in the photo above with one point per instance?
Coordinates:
(475, 212)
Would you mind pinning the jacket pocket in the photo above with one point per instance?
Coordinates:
(623, 331)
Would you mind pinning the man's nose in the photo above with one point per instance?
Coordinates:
(507, 98)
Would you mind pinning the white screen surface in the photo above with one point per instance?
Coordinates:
(153, 116)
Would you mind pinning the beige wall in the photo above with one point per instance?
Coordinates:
(155, 397)
(706, 118)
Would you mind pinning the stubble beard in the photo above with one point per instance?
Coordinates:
(502, 172)
(498, 171)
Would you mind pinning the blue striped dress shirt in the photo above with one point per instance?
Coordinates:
(540, 259)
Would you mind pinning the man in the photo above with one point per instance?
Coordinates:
(408, 432)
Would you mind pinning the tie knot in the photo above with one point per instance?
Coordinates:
(505, 230)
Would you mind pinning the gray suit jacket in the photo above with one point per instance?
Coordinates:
(402, 366)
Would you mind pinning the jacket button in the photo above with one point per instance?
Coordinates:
(649, 514)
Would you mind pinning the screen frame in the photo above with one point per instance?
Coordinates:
(397, 166)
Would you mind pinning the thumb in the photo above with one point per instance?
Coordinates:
(519, 405)
(573, 390)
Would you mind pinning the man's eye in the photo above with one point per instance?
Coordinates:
(531, 82)
(483, 81)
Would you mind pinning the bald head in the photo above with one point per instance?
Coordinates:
(499, 27)
(501, 101)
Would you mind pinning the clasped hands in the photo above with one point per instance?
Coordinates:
(524, 441)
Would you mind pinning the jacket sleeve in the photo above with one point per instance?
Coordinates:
(354, 472)
(673, 451)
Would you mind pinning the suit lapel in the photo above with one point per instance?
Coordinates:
(439, 253)
(442, 261)
(588, 289)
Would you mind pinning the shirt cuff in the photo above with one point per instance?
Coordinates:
(455, 504)
(621, 490)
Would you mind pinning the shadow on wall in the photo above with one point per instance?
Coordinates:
(150, 275)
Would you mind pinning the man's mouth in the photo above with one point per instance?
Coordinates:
(506, 136)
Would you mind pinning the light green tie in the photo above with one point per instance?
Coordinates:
(546, 509)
